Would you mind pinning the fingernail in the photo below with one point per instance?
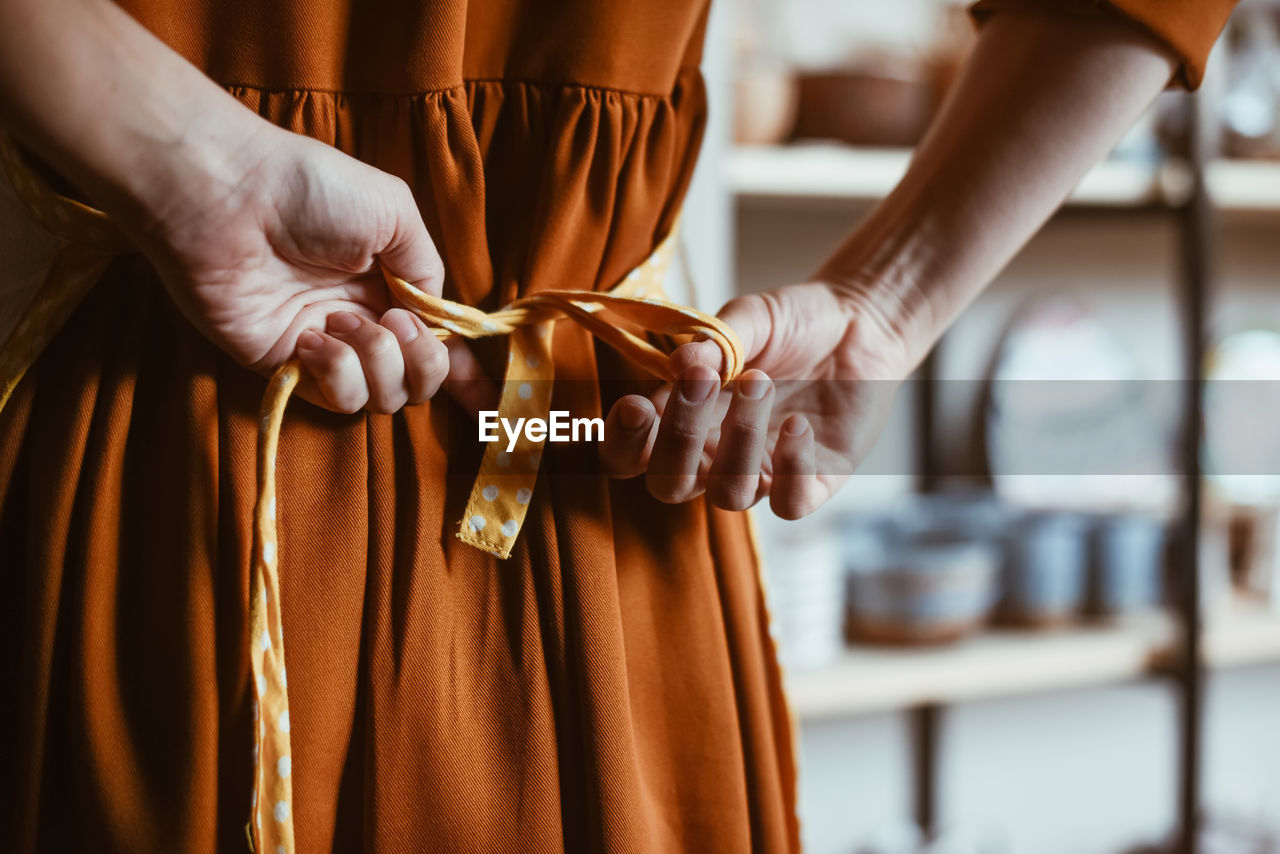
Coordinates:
(309, 341)
(402, 326)
(753, 387)
(697, 384)
(633, 417)
(796, 425)
(344, 321)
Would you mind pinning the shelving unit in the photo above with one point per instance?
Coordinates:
(1178, 644)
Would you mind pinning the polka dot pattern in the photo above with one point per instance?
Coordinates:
(503, 491)
(272, 784)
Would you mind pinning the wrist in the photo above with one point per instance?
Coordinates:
(175, 173)
(891, 322)
(131, 124)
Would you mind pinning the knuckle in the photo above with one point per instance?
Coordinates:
(399, 188)
(338, 361)
(435, 363)
(685, 436)
(787, 507)
(348, 402)
(732, 493)
(746, 428)
(386, 404)
(380, 344)
(742, 303)
(669, 489)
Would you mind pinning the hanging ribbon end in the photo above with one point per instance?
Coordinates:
(471, 537)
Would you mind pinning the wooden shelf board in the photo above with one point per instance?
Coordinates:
(830, 172)
(836, 172)
(1002, 662)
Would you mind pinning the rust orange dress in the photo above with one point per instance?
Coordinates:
(610, 687)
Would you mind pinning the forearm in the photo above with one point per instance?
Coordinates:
(1042, 98)
(126, 119)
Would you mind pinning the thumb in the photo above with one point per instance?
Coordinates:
(411, 253)
(468, 383)
(749, 317)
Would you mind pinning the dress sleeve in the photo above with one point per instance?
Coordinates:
(1188, 27)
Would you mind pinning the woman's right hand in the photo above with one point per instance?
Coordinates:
(269, 242)
(276, 251)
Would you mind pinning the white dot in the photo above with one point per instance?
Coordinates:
(489, 326)
(451, 326)
(510, 527)
(544, 330)
(284, 678)
(282, 723)
(268, 552)
(525, 391)
(264, 642)
(490, 492)
(281, 811)
(271, 508)
(284, 766)
(532, 361)
(523, 495)
(504, 458)
(453, 309)
(262, 685)
(477, 522)
(280, 850)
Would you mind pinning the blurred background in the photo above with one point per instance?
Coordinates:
(986, 635)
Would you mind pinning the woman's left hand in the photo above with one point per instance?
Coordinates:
(822, 369)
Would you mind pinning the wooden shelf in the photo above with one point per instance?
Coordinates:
(1002, 663)
(823, 172)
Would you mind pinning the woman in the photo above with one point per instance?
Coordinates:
(611, 686)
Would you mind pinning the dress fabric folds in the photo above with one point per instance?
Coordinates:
(611, 687)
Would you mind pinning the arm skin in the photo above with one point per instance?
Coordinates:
(269, 242)
(1043, 96)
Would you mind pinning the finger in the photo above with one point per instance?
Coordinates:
(426, 360)
(467, 383)
(411, 253)
(682, 434)
(380, 358)
(335, 367)
(629, 432)
(749, 317)
(795, 489)
(734, 481)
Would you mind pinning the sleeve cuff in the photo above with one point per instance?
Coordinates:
(1188, 28)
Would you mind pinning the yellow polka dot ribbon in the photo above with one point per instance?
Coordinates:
(499, 500)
